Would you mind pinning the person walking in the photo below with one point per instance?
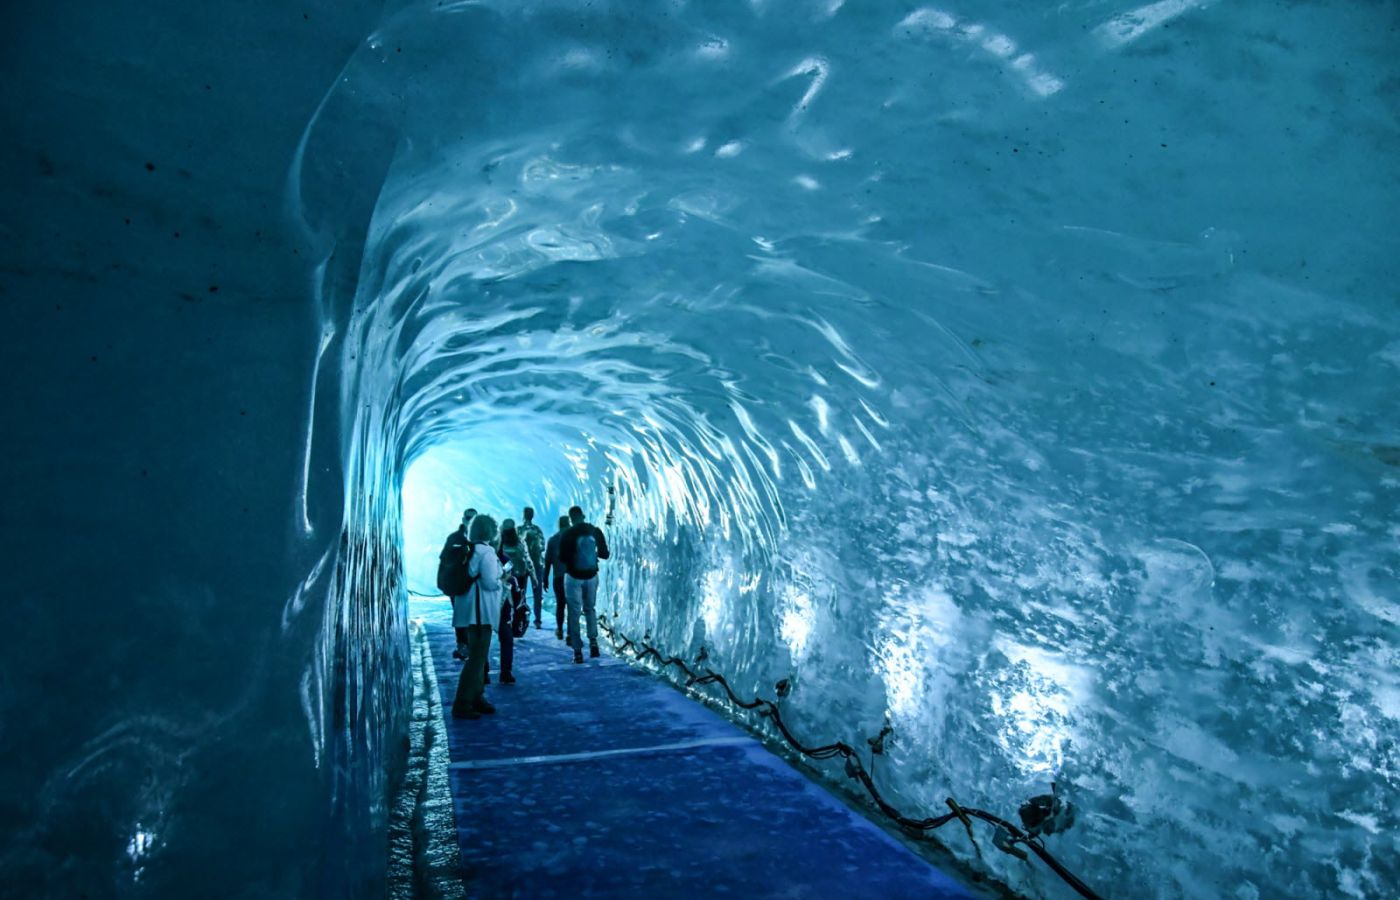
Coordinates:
(510, 550)
(472, 614)
(580, 549)
(454, 553)
(552, 564)
(533, 537)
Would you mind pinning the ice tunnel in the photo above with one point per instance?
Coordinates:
(1023, 376)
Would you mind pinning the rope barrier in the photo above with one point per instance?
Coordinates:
(1008, 838)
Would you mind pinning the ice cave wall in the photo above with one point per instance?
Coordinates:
(1022, 376)
(160, 342)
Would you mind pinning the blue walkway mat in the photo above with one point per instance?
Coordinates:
(599, 780)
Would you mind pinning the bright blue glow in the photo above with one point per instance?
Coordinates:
(498, 473)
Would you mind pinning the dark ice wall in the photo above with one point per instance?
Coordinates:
(161, 506)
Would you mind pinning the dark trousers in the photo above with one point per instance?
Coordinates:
(471, 683)
(559, 601)
(539, 595)
(461, 632)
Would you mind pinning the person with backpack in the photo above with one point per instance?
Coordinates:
(473, 611)
(580, 549)
(515, 614)
(534, 546)
(452, 562)
(552, 563)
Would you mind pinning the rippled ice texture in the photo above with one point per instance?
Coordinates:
(1022, 374)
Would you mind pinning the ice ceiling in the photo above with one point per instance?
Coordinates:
(1023, 375)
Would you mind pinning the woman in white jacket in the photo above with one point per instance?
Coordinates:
(476, 611)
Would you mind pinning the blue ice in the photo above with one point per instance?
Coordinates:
(1023, 376)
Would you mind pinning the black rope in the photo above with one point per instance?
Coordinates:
(854, 768)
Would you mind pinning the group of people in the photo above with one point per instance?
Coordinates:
(486, 571)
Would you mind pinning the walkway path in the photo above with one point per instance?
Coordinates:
(602, 781)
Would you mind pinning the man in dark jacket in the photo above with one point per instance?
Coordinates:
(553, 565)
(533, 536)
(580, 549)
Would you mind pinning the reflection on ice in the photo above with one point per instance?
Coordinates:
(930, 21)
(1037, 700)
(712, 604)
(141, 844)
(1129, 26)
(796, 620)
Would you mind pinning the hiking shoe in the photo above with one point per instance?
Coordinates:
(507, 679)
(578, 656)
(538, 625)
(466, 714)
(559, 633)
(593, 651)
(482, 706)
(458, 654)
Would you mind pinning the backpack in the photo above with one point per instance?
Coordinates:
(452, 577)
(534, 540)
(586, 552)
(520, 564)
(520, 608)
